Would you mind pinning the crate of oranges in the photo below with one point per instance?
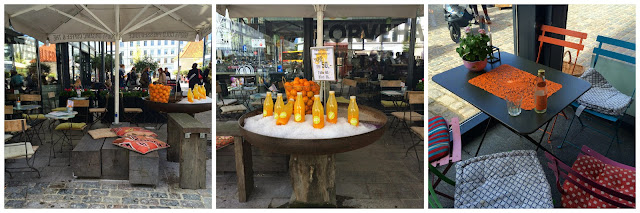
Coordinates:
(159, 93)
(308, 89)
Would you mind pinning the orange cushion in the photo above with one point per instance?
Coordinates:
(140, 144)
(131, 131)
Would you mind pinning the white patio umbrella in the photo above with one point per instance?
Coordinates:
(112, 23)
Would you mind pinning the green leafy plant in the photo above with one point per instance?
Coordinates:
(138, 94)
(144, 63)
(104, 94)
(474, 47)
(420, 85)
(68, 93)
(88, 93)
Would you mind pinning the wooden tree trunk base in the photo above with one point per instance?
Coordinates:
(313, 180)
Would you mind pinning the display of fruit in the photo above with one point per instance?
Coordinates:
(159, 93)
(308, 89)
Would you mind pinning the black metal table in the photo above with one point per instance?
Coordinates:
(456, 81)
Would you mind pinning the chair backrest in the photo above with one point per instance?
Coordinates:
(218, 87)
(30, 97)
(416, 97)
(51, 95)
(390, 83)
(80, 103)
(349, 82)
(560, 169)
(18, 125)
(8, 110)
(617, 65)
(615, 42)
(11, 97)
(551, 29)
(361, 80)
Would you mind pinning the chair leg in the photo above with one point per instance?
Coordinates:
(617, 127)
(483, 135)
(568, 129)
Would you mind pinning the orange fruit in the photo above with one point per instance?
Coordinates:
(305, 99)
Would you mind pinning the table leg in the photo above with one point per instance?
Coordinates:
(543, 132)
(244, 168)
(313, 180)
(483, 135)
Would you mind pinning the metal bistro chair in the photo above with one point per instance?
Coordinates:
(577, 46)
(618, 78)
(82, 107)
(445, 145)
(415, 98)
(410, 114)
(98, 113)
(227, 107)
(391, 102)
(352, 84)
(20, 150)
(36, 121)
(129, 113)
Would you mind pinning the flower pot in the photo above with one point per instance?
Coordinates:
(475, 66)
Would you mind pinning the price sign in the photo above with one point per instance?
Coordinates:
(322, 64)
(257, 43)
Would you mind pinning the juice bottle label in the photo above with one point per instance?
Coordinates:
(354, 121)
(275, 115)
(264, 112)
(298, 117)
(316, 120)
(331, 115)
(283, 114)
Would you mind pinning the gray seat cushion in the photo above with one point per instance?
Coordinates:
(503, 180)
(602, 97)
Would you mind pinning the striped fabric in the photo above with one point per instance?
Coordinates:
(438, 138)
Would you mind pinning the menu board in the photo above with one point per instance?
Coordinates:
(322, 64)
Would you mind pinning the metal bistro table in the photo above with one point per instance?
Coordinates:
(57, 116)
(456, 81)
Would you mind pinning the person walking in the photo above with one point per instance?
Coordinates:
(166, 72)
(207, 78)
(145, 78)
(162, 78)
(195, 76)
(122, 83)
(132, 78)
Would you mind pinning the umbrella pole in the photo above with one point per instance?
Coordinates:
(117, 81)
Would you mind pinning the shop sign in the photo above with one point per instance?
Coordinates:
(60, 38)
(244, 48)
(180, 36)
(257, 43)
(323, 64)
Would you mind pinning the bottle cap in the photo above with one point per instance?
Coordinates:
(316, 96)
(299, 93)
(268, 93)
(540, 71)
(332, 92)
(352, 97)
(279, 94)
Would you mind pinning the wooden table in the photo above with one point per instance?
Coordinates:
(456, 81)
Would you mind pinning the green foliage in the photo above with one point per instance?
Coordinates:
(138, 94)
(104, 94)
(474, 47)
(96, 62)
(33, 67)
(88, 93)
(146, 62)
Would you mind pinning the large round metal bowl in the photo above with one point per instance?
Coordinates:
(177, 107)
(368, 115)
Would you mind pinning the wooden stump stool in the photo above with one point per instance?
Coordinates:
(188, 140)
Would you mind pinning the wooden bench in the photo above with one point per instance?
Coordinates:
(243, 159)
(144, 169)
(86, 158)
(188, 143)
(115, 161)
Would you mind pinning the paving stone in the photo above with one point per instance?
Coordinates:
(15, 204)
(129, 200)
(111, 200)
(191, 204)
(125, 187)
(16, 195)
(149, 201)
(91, 185)
(81, 192)
(168, 202)
(137, 207)
(92, 199)
(158, 207)
(109, 186)
(174, 196)
(78, 206)
(65, 191)
(35, 190)
(159, 195)
(116, 206)
(76, 198)
(191, 196)
(53, 197)
(99, 192)
(97, 206)
(57, 185)
(119, 193)
(139, 194)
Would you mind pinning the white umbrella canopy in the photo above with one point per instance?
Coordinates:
(79, 22)
(64, 23)
(331, 11)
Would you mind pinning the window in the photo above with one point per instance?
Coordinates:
(158, 51)
(145, 52)
(121, 44)
(173, 42)
(172, 60)
(130, 53)
(145, 43)
(165, 51)
(173, 51)
(138, 43)
(166, 42)
(131, 43)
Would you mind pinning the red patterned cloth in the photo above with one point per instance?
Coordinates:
(131, 131)
(222, 141)
(618, 179)
(140, 144)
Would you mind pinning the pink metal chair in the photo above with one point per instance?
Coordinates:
(594, 181)
(453, 156)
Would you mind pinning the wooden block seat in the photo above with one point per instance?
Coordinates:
(132, 110)
(144, 169)
(85, 157)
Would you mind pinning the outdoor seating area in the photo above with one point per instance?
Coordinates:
(574, 142)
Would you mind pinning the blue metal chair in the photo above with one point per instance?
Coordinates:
(615, 120)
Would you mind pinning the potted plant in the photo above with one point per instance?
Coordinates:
(474, 49)
(64, 95)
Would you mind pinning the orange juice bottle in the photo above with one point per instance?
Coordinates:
(279, 107)
(299, 109)
(190, 96)
(318, 113)
(353, 116)
(332, 108)
(267, 107)
(285, 114)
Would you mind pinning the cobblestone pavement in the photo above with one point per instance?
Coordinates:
(57, 188)
(616, 21)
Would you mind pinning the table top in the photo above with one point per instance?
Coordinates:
(27, 107)
(78, 98)
(456, 81)
(264, 95)
(61, 115)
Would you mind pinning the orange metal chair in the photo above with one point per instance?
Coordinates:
(578, 46)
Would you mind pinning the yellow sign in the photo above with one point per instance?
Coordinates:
(323, 64)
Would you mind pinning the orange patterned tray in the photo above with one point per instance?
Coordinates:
(506, 80)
